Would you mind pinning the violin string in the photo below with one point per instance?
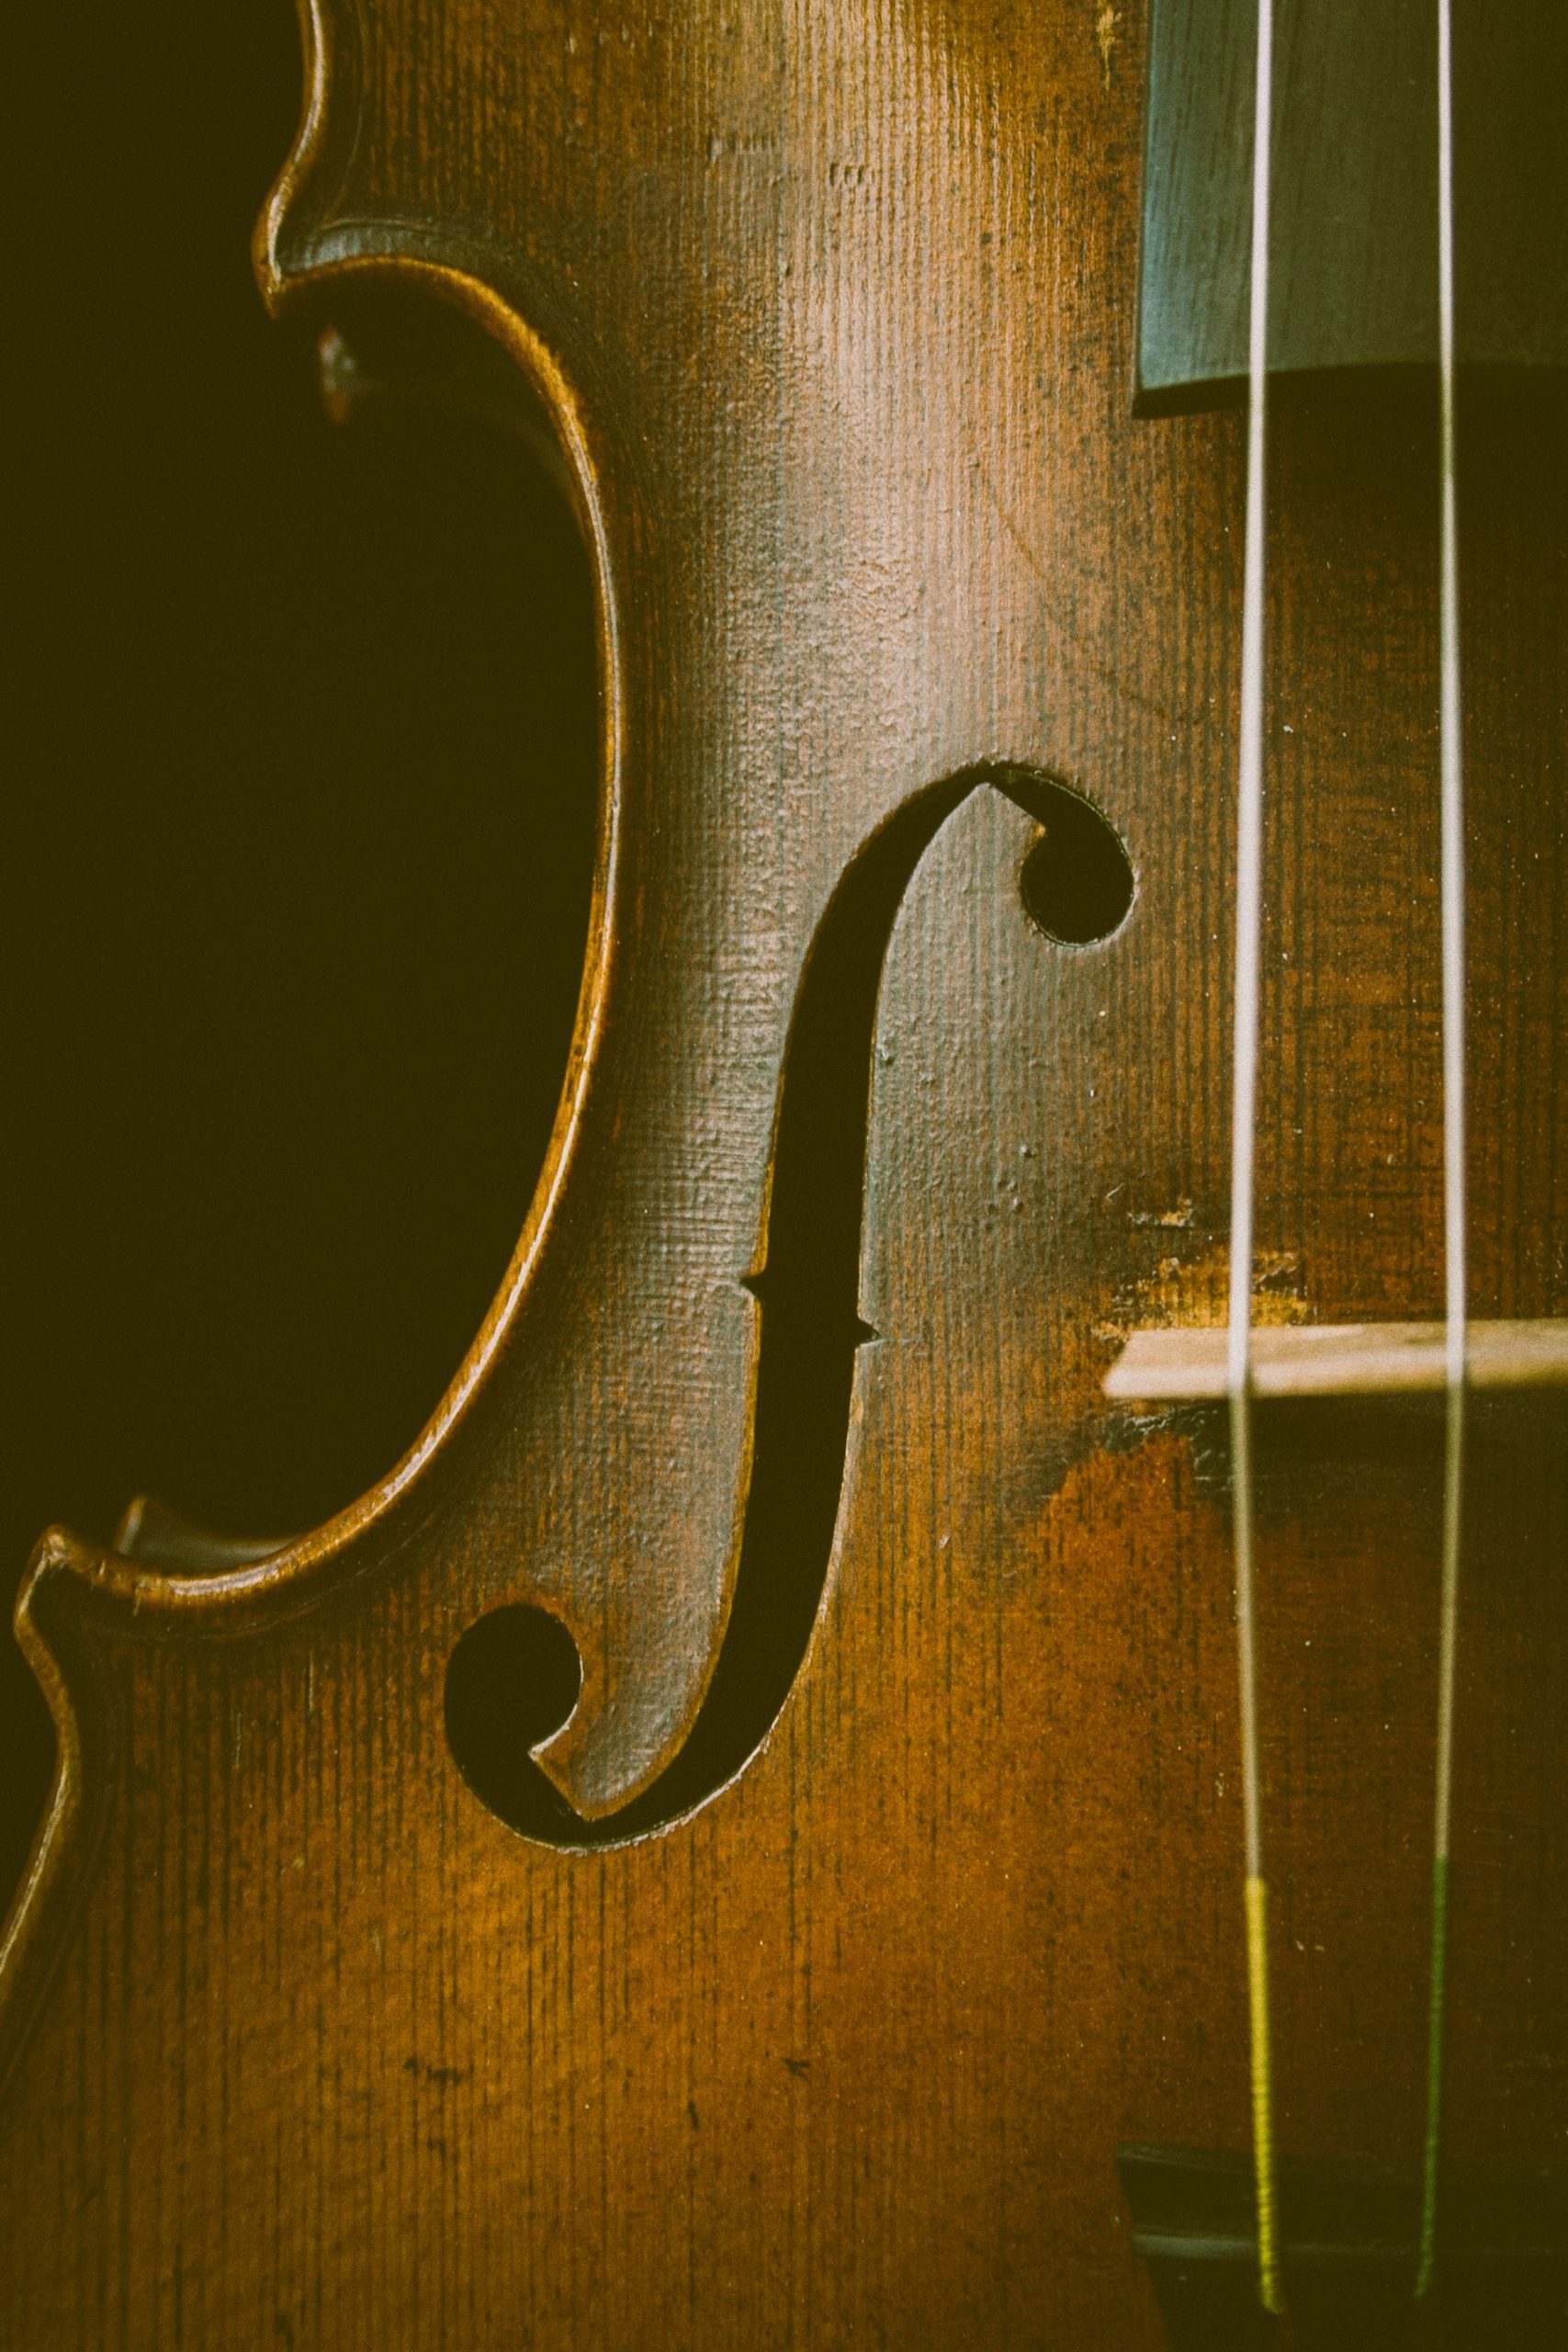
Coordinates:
(1453, 912)
(1248, 967)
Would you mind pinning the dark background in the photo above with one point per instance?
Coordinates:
(299, 726)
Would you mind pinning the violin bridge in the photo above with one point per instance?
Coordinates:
(1339, 1360)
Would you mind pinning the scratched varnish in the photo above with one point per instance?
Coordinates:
(831, 311)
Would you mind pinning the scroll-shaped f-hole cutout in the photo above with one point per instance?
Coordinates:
(1077, 881)
(511, 1682)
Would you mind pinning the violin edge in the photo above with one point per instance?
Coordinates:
(70, 1581)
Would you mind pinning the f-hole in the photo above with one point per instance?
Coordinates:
(513, 1677)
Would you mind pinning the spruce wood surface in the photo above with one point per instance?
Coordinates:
(830, 312)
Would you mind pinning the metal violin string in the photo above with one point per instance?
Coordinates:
(1453, 912)
(1243, 1163)
(1249, 955)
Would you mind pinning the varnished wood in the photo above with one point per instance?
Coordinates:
(831, 312)
(161, 1538)
(1340, 1359)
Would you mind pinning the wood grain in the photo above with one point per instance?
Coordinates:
(832, 312)
(1339, 1360)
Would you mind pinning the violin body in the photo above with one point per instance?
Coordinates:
(313, 2035)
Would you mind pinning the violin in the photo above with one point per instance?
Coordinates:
(952, 1734)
